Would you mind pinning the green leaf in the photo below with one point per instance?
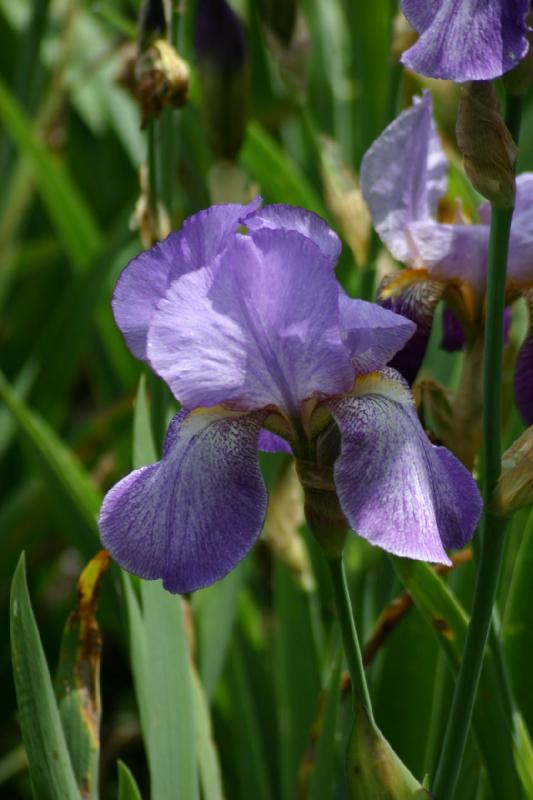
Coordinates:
(171, 743)
(70, 214)
(144, 451)
(78, 679)
(210, 777)
(51, 772)
(494, 726)
(127, 786)
(280, 179)
(298, 681)
(74, 491)
(326, 760)
(214, 610)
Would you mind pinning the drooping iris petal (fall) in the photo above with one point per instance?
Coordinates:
(466, 40)
(397, 489)
(192, 516)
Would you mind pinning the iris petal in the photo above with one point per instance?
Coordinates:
(466, 40)
(371, 333)
(403, 176)
(145, 280)
(292, 218)
(396, 489)
(261, 329)
(192, 516)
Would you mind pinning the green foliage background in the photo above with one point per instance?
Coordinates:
(241, 688)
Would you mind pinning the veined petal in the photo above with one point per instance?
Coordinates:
(403, 176)
(272, 443)
(292, 218)
(145, 280)
(372, 334)
(396, 489)
(466, 40)
(192, 516)
(260, 329)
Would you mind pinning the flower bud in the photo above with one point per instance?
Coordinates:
(515, 485)
(488, 149)
(221, 56)
(161, 79)
(322, 509)
(374, 769)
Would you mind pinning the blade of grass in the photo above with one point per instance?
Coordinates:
(49, 763)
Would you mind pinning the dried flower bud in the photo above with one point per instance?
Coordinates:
(221, 55)
(374, 769)
(345, 200)
(284, 517)
(152, 224)
(488, 148)
(161, 79)
(515, 486)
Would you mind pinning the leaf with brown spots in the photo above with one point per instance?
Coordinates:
(78, 679)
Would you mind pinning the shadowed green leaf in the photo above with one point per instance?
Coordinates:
(494, 726)
(76, 495)
(51, 772)
(70, 214)
(280, 180)
(127, 786)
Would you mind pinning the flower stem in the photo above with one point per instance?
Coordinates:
(349, 634)
(493, 526)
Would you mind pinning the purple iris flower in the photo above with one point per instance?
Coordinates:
(403, 177)
(255, 337)
(466, 40)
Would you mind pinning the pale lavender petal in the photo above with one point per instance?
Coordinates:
(261, 329)
(466, 40)
(453, 335)
(307, 223)
(396, 489)
(192, 516)
(271, 443)
(416, 302)
(145, 280)
(403, 176)
(453, 251)
(520, 263)
(372, 334)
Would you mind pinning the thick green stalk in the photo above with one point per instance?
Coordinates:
(350, 639)
(493, 526)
